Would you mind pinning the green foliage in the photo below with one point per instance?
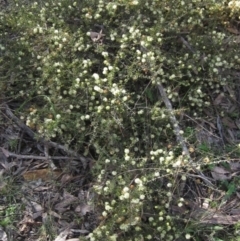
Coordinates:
(102, 98)
(8, 216)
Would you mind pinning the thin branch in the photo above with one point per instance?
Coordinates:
(187, 44)
(174, 121)
(19, 156)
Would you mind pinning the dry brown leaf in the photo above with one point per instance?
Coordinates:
(66, 178)
(83, 209)
(44, 174)
(228, 122)
(232, 108)
(67, 200)
(235, 211)
(54, 214)
(235, 166)
(63, 235)
(231, 92)
(218, 99)
(238, 194)
(232, 30)
(36, 209)
(5, 152)
(231, 134)
(25, 224)
(3, 235)
(220, 174)
(237, 122)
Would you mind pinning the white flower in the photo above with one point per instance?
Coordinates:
(187, 236)
(135, 2)
(124, 226)
(142, 196)
(105, 189)
(138, 181)
(151, 219)
(135, 201)
(108, 208)
(126, 195)
(104, 213)
(113, 237)
(125, 189)
(127, 158)
(95, 76)
(104, 54)
(97, 88)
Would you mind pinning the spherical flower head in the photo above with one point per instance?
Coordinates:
(135, 2)
(113, 237)
(125, 189)
(104, 213)
(97, 88)
(107, 161)
(126, 195)
(95, 76)
(108, 207)
(142, 196)
(180, 204)
(156, 174)
(127, 158)
(138, 181)
(187, 236)
(114, 173)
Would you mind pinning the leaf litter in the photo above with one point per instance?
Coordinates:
(54, 192)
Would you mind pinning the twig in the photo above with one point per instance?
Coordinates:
(46, 153)
(187, 44)
(174, 121)
(19, 156)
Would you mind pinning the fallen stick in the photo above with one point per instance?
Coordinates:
(20, 156)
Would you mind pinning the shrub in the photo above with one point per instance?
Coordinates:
(100, 97)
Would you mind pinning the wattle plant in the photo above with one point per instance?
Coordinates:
(100, 97)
